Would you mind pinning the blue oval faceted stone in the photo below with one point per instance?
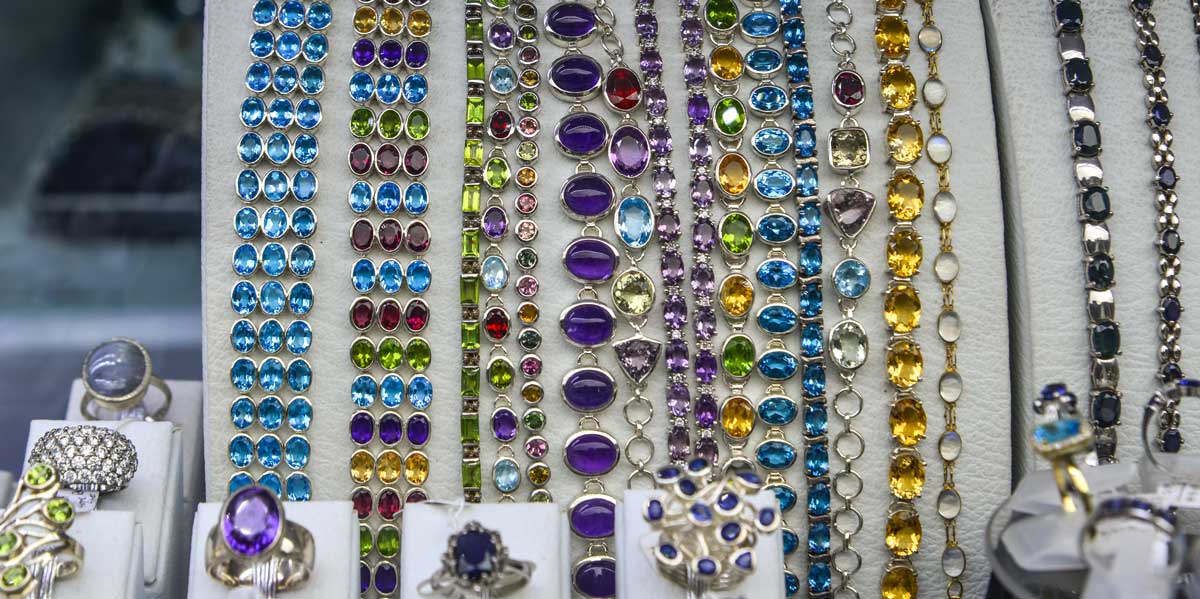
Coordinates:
(287, 46)
(304, 185)
(502, 79)
(575, 76)
(245, 223)
(308, 113)
(588, 324)
(768, 99)
(818, 538)
(420, 392)
(296, 452)
(391, 390)
(773, 184)
(270, 413)
(254, 112)
(493, 273)
(391, 276)
(274, 259)
(300, 300)
(275, 186)
(299, 375)
(776, 319)
(270, 375)
(816, 419)
(250, 148)
(777, 410)
(241, 412)
(278, 148)
(771, 141)
(364, 389)
(775, 455)
(263, 12)
(812, 342)
(763, 61)
(776, 273)
(806, 180)
(316, 48)
(813, 381)
(506, 475)
(291, 14)
(270, 336)
(635, 222)
(388, 89)
(243, 298)
(243, 336)
(362, 87)
(242, 374)
(275, 222)
(245, 260)
(360, 196)
(241, 451)
(806, 141)
(816, 460)
(760, 25)
(802, 103)
(306, 149)
(810, 218)
(302, 260)
(416, 198)
(248, 185)
(776, 228)
(269, 451)
(299, 414)
(777, 365)
(419, 276)
(319, 16)
(810, 259)
(387, 197)
(270, 481)
(299, 488)
(312, 80)
(258, 77)
(818, 499)
(304, 222)
(793, 33)
(785, 495)
(362, 275)
(851, 278)
(415, 89)
(299, 337)
(272, 297)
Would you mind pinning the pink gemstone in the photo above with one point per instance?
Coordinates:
(527, 286)
(526, 203)
(362, 235)
(416, 315)
(390, 234)
(848, 89)
(387, 159)
(529, 126)
(536, 448)
(363, 503)
(527, 231)
(529, 54)
(360, 158)
(531, 366)
(416, 160)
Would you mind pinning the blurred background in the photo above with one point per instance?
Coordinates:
(100, 215)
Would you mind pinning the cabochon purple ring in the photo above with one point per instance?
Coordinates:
(254, 544)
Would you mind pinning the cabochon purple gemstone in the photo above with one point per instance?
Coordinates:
(391, 52)
(588, 324)
(591, 453)
(391, 429)
(116, 368)
(581, 134)
(629, 152)
(570, 21)
(576, 75)
(588, 195)
(417, 55)
(589, 389)
(418, 429)
(504, 424)
(251, 521)
(591, 259)
(594, 517)
(362, 427)
(495, 222)
(596, 578)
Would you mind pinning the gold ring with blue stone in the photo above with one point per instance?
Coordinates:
(1058, 439)
(116, 377)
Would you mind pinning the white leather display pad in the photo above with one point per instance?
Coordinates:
(1049, 302)
(7, 486)
(536, 533)
(334, 531)
(112, 558)
(637, 573)
(187, 411)
(154, 496)
(983, 416)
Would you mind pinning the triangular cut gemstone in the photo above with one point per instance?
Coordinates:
(850, 208)
(637, 357)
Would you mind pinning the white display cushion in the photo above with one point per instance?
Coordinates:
(532, 532)
(1042, 215)
(984, 413)
(637, 572)
(187, 411)
(7, 486)
(112, 558)
(154, 496)
(335, 534)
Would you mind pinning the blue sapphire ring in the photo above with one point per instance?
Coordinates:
(116, 377)
(476, 565)
(1062, 435)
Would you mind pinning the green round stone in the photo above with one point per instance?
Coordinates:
(418, 125)
(528, 33)
(362, 122)
(500, 374)
(527, 151)
(59, 510)
(737, 233)
(526, 11)
(362, 353)
(729, 116)
(534, 419)
(365, 541)
(527, 258)
(419, 354)
(391, 353)
(496, 173)
(391, 125)
(387, 543)
(14, 576)
(39, 475)
(529, 101)
(8, 543)
(530, 339)
(721, 15)
(498, 4)
(737, 356)
(541, 498)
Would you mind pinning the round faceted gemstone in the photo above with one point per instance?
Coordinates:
(729, 116)
(851, 278)
(588, 389)
(622, 89)
(733, 174)
(848, 89)
(905, 196)
(892, 37)
(539, 474)
(902, 307)
(897, 87)
(737, 417)
(737, 356)
(904, 252)
(737, 234)
(720, 15)
(591, 259)
(591, 453)
(633, 293)
(904, 363)
(726, 63)
(907, 421)
(905, 140)
(737, 295)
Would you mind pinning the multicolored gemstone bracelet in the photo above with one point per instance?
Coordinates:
(287, 46)
(1104, 334)
(1169, 242)
(471, 471)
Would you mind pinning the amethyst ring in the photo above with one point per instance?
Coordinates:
(116, 377)
(476, 565)
(254, 544)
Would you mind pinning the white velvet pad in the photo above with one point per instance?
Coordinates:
(1050, 300)
(112, 558)
(983, 474)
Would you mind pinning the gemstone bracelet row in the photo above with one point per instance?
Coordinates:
(472, 475)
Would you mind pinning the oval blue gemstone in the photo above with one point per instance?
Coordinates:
(262, 43)
(810, 218)
(270, 336)
(245, 223)
(258, 77)
(391, 390)
(775, 455)
(506, 475)
(810, 259)
(777, 410)
(243, 298)
(308, 113)
(771, 141)
(391, 276)
(250, 148)
(812, 341)
(768, 99)
(802, 103)
(820, 579)
(362, 87)
(272, 297)
(818, 538)
(269, 451)
(299, 375)
(776, 319)
(304, 222)
(776, 273)
(388, 89)
(797, 68)
(813, 381)
(275, 222)
(419, 276)
(275, 186)
(420, 392)
(278, 147)
(776, 229)
(588, 324)
(851, 278)
(360, 197)
(299, 337)
(806, 141)
(312, 80)
(760, 24)
(241, 412)
(270, 480)
(575, 76)
(416, 88)
(362, 275)
(635, 222)
(300, 300)
(316, 48)
(793, 33)
(319, 16)
(270, 413)
(763, 61)
(1056, 431)
(296, 452)
(791, 584)
(493, 273)
(291, 14)
(728, 501)
(263, 12)
(816, 419)
(777, 365)
(287, 46)
(299, 414)
(387, 197)
(773, 184)
(241, 451)
(274, 259)
(791, 542)
(243, 336)
(806, 180)
(302, 260)
(245, 260)
(299, 488)
(502, 79)
(816, 460)
(364, 389)
(304, 185)
(248, 185)
(270, 375)
(785, 495)
(818, 499)
(306, 149)
(285, 79)
(416, 199)
(242, 374)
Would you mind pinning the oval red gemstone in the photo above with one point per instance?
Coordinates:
(389, 314)
(623, 89)
(361, 498)
(416, 160)
(418, 237)
(360, 158)
(389, 504)
(387, 159)
(495, 323)
(391, 234)
(848, 89)
(416, 315)
(500, 126)
(362, 312)
(362, 235)
(416, 496)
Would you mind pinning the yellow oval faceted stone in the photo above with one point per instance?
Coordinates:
(633, 293)
(897, 87)
(388, 466)
(737, 417)
(905, 140)
(906, 475)
(361, 466)
(899, 582)
(907, 420)
(902, 533)
(419, 23)
(416, 468)
(364, 19)
(902, 307)
(733, 174)
(905, 196)
(904, 253)
(737, 295)
(539, 474)
(726, 63)
(891, 37)
(391, 22)
(905, 363)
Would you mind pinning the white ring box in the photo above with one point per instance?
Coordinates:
(535, 532)
(638, 576)
(335, 572)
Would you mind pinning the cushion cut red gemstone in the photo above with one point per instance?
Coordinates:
(418, 237)
(416, 315)
(848, 89)
(495, 323)
(389, 504)
(362, 312)
(391, 234)
(361, 498)
(362, 235)
(623, 89)
(360, 158)
(389, 314)
(500, 126)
